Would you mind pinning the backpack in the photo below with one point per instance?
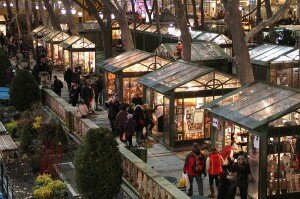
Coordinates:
(198, 166)
(60, 84)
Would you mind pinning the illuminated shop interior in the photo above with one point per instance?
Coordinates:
(122, 71)
(179, 89)
(2, 24)
(276, 64)
(38, 34)
(262, 120)
(78, 52)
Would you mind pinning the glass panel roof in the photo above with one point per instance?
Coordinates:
(260, 50)
(83, 43)
(256, 105)
(38, 29)
(195, 34)
(275, 52)
(150, 64)
(290, 57)
(142, 27)
(61, 36)
(151, 28)
(222, 39)
(2, 18)
(172, 76)
(124, 60)
(68, 42)
(207, 36)
(44, 32)
(164, 30)
(49, 37)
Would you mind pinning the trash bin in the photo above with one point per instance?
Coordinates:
(140, 152)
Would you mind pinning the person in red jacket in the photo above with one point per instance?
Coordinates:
(190, 168)
(214, 165)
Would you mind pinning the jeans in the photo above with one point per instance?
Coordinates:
(199, 183)
(113, 126)
(138, 136)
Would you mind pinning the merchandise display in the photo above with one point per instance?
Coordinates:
(110, 85)
(130, 88)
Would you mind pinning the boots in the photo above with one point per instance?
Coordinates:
(212, 192)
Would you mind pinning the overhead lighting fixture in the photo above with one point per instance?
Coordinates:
(4, 4)
(73, 11)
(63, 11)
(80, 14)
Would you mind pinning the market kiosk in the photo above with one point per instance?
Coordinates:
(276, 64)
(205, 53)
(122, 71)
(2, 24)
(54, 51)
(37, 36)
(179, 89)
(262, 120)
(78, 52)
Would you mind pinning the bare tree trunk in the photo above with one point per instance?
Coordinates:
(18, 21)
(201, 7)
(196, 23)
(242, 57)
(42, 13)
(259, 38)
(181, 21)
(149, 12)
(155, 4)
(9, 11)
(52, 15)
(186, 10)
(271, 27)
(35, 14)
(134, 22)
(71, 23)
(27, 15)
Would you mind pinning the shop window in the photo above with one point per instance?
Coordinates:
(283, 165)
(130, 88)
(111, 89)
(236, 136)
(166, 118)
(253, 160)
(291, 119)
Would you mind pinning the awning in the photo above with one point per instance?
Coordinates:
(256, 104)
(76, 42)
(41, 31)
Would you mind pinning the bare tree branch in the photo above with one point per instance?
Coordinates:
(270, 21)
(253, 10)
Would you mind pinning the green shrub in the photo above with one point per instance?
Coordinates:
(5, 63)
(61, 137)
(24, 91)
(26, 139)
(98, 165)
(12, 127)
(34, 163)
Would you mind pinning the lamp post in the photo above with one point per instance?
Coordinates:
(171, 29)
(73, 11)
(63, 11)
(112, 16)
(80, 16)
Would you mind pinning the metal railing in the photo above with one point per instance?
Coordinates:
(144, 180)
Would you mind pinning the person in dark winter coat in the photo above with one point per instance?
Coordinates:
(76, 75)
(57, 86)
(130, 109)
(120, 121)
(224, 186)
(190, 161)
(85, 93)
(137, 100)
(113, 109)
(74, 94)
(242, 168)
(140, 120)
(68, 77)
(129, 128)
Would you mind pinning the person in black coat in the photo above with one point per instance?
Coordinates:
(140, 120)
(224, 186)
(113, 110)
(85, 94)
(74, 94)
(68, 77)
(137, 100)
(57, 86)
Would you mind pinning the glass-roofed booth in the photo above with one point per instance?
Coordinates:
(2, 24)
(54, 51)
(206, 53)
(78, 52)
(179, 89)
(262, 121)
(276, 64)
(38, 34)
(122, 71)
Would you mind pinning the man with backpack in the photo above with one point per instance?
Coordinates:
(57, 86)
(194, 167)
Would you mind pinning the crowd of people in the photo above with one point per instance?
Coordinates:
(198, 165)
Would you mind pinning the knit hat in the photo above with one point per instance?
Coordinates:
(241, 157)
(129, 116)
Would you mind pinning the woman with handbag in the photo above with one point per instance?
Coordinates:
(140, 120)
(242, 168)
(129, 129)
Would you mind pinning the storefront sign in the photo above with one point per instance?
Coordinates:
(215, 123)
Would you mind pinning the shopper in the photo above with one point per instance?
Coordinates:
(129, 128)
(82, 109)
(214, 165)
(76, 75)
(227, 154)
(224, 187)
(98, 88)
(68, 77)
(130, 109)
(194, 167)
(74, 94)
(57, 86)
(149, 118)
(242, 168)
(139, 118)
(120, 121)
(85, 93)
(91, 98)
(137, 100)
(113, 107)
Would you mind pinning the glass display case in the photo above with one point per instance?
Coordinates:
(54, 51)
(276, 64)
(126, 68)
(186, 87)
(262, 121)
(79, 52)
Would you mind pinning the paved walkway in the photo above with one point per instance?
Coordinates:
(167, 163)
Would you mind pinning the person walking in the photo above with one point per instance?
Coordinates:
(74, 94)
(242, 168)
(129, 128)
(68, 77)
(149, 118)
(82, 109)
(57, 86)
(98, 91)
(214, 165)
(120, 121)
(76, 75)
(113, 107)
(85, 93)
(194, 167)
(140, 120)
(91, 98)
(137, 100)
(224, 187)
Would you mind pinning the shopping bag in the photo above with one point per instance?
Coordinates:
(187, 182)
(181, 183)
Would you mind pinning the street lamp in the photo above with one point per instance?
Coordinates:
(4, 4)
(171, 29)
(73, 11)
(101, 15)
(36, 7)
(112, 16)
(63, 11)
(240, 8)
(59, 2)
(11, 4)
(80, 14)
